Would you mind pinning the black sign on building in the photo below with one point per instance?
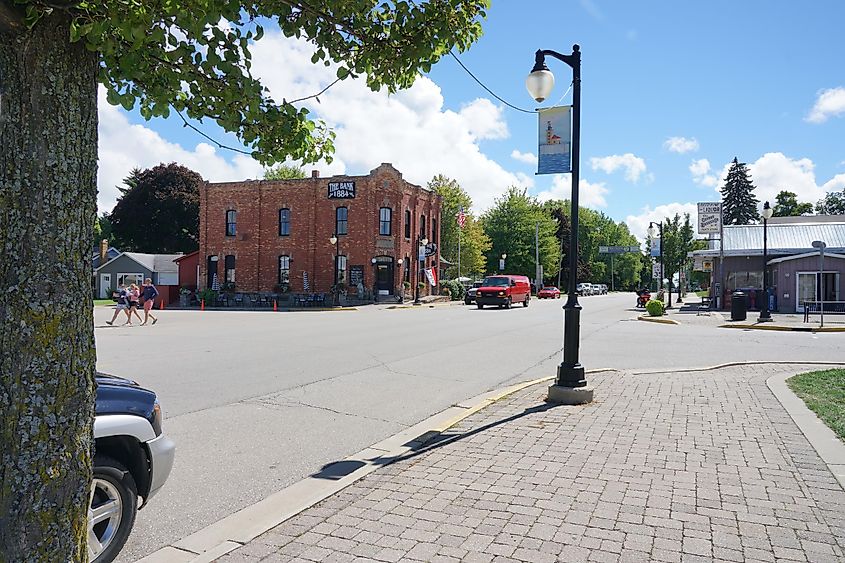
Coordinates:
(342, 190)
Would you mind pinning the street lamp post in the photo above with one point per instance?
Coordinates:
(765, 314)
(571, 384)
(420, 257)
(651, 233)
(336, 242)
(401, 295)
(821, 246)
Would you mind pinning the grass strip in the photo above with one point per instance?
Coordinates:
(824, 394)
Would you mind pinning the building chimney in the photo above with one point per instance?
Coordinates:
(315, 173)
(104, 251)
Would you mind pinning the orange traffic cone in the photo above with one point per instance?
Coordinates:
(275, 305)
(202, 304)
(161, 305)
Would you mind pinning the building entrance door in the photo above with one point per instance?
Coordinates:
(384, 275)
(105, 286)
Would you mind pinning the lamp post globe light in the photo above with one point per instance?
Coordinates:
(570, 386)
(765, 314)
(420, 258)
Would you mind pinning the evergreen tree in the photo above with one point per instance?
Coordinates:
(739, 206)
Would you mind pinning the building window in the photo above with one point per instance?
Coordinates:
(129, 279)
(284, 272)
(422, 227)
(434, 231)
(340, 269)
(231, 222)
(408, 223)
(229, 265)
(385, 215)
(341, 224)
(284, 222)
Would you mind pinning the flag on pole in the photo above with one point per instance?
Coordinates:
(461, 217)
(215, 283)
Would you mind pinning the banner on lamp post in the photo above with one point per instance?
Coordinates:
(655, 247)
(554, 153)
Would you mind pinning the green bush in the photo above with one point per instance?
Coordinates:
(655, 308)
(455, 288)
(207, 295)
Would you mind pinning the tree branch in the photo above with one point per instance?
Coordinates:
(11, 17)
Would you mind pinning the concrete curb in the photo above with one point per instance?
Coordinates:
(734, 364)
(657, 320)
(237, 529)
(786, 328)
(826, 443)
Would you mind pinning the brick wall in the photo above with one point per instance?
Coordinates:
(257, 243)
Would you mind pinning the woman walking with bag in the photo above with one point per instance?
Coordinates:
(150, 293)
(134, 294)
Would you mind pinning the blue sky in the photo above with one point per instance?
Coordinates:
(722, 78)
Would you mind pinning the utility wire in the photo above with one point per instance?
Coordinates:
(489, 91)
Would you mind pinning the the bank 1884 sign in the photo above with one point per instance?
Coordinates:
(342, 190)
(709, 218)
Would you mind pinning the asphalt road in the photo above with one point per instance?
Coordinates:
(257, 400)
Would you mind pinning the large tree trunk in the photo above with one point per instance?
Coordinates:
(48, 163)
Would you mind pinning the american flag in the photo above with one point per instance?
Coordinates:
(461, 217)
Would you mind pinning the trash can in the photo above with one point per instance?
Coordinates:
(739, 306)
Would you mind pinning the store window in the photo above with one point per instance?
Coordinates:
(284, 272)
(423, 231)
(340, 269)
(384, 219)
(229, 265)
(407, 223)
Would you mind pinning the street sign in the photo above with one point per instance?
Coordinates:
(618, 249)
(709, 218)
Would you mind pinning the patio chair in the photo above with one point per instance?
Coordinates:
(239, 300)
(301, 300)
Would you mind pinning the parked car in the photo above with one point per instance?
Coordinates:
(584, 289)
(504, 291)
(549, 292)
(132, 458)
(602, 289)
(469, 296)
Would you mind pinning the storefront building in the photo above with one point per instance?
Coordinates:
(307, 235)
(794, 266)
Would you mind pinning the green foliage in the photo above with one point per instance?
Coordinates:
(739, 205)
(786, 205)
(284, 172)
(655, 308)
(511, 225)
(165, 56)
(160, 213)
(473, 240)
(832, 204)
(456, 289)
(207, 295)
(678, 241)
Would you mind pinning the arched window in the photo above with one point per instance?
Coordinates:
(423, 232)
(407, 223)
(284, 222)
(385, 215)
(341, 225)
(231, 222)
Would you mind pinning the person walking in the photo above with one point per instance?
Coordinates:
(122, 304)
(150, 293)
(134, 295)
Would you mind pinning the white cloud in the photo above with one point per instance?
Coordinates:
(123, 146)
(589, 194)
(410, 129)
(775, 171)
(526, 157)
(680, 145)
(700, 173)
(829, 103)
(634, 166)
(638, 224)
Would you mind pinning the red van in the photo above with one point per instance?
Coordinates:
(503, 290)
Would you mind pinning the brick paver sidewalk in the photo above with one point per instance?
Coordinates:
(696, 466)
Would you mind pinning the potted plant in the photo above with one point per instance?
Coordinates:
(184, 296)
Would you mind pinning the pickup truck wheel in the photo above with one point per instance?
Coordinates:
(111, 511)
(508, 303)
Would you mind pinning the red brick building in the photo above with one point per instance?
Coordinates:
(264, 234)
